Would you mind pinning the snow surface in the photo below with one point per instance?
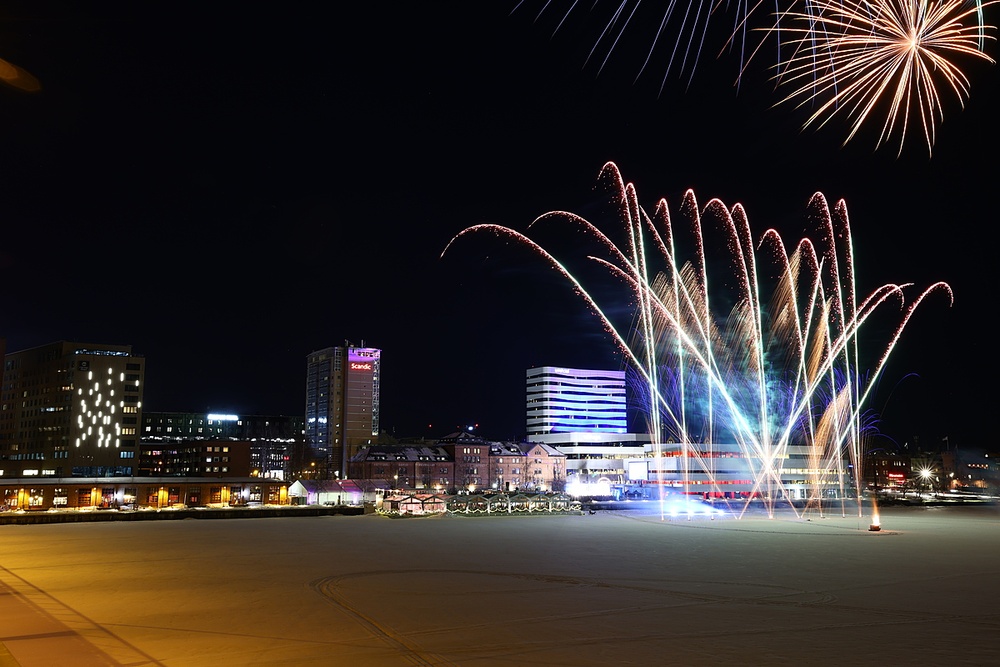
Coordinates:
(613, 588)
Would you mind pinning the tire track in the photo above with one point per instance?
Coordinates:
(412, 653)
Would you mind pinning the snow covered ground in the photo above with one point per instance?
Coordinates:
(605, 589)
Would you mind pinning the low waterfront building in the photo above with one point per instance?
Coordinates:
(725, 471)
(110, 493)
(337, 492)
(405, 466)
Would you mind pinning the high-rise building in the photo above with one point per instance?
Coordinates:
(70, 410)
(571, 400)
(583, 414)
(342, 403)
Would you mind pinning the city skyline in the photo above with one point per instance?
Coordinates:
(227, 192)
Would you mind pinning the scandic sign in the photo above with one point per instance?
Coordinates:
(356, 366)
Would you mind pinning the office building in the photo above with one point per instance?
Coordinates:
(583, 414)
(195, 458)
(273, 439)
(70, 410)
(342, 404)
(571, 400)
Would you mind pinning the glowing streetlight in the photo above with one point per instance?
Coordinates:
(925, 475)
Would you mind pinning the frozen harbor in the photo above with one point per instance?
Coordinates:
(609, 588)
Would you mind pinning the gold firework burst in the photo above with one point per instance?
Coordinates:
(863, 59)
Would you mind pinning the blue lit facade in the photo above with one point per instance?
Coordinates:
(572, 400)
(583, 414)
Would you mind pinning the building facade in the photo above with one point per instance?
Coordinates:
(83, 493)
(405, 466)
(725, 470)
(583, 413)
(273, 439)
(195, 458)
(463, 462)
(70, 410)
(573, 400)
(342, 404)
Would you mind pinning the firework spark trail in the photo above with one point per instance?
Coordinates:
(752, 331)
(685, 22)
(853, 54)
(845, 57)
(779, 378)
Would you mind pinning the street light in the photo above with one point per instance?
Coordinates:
(925, 475)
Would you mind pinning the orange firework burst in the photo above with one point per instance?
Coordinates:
(862, 59)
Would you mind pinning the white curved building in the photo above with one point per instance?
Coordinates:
(572, 400)
(583, 413)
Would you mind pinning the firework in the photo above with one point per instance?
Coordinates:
(675, 31)
(850, 58)
(893, 57)
(774, 385)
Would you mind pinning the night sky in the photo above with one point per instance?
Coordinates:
(229, 188)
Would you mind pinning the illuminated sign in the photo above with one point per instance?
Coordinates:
(223, 418)
(356, 366)
(363, 354)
